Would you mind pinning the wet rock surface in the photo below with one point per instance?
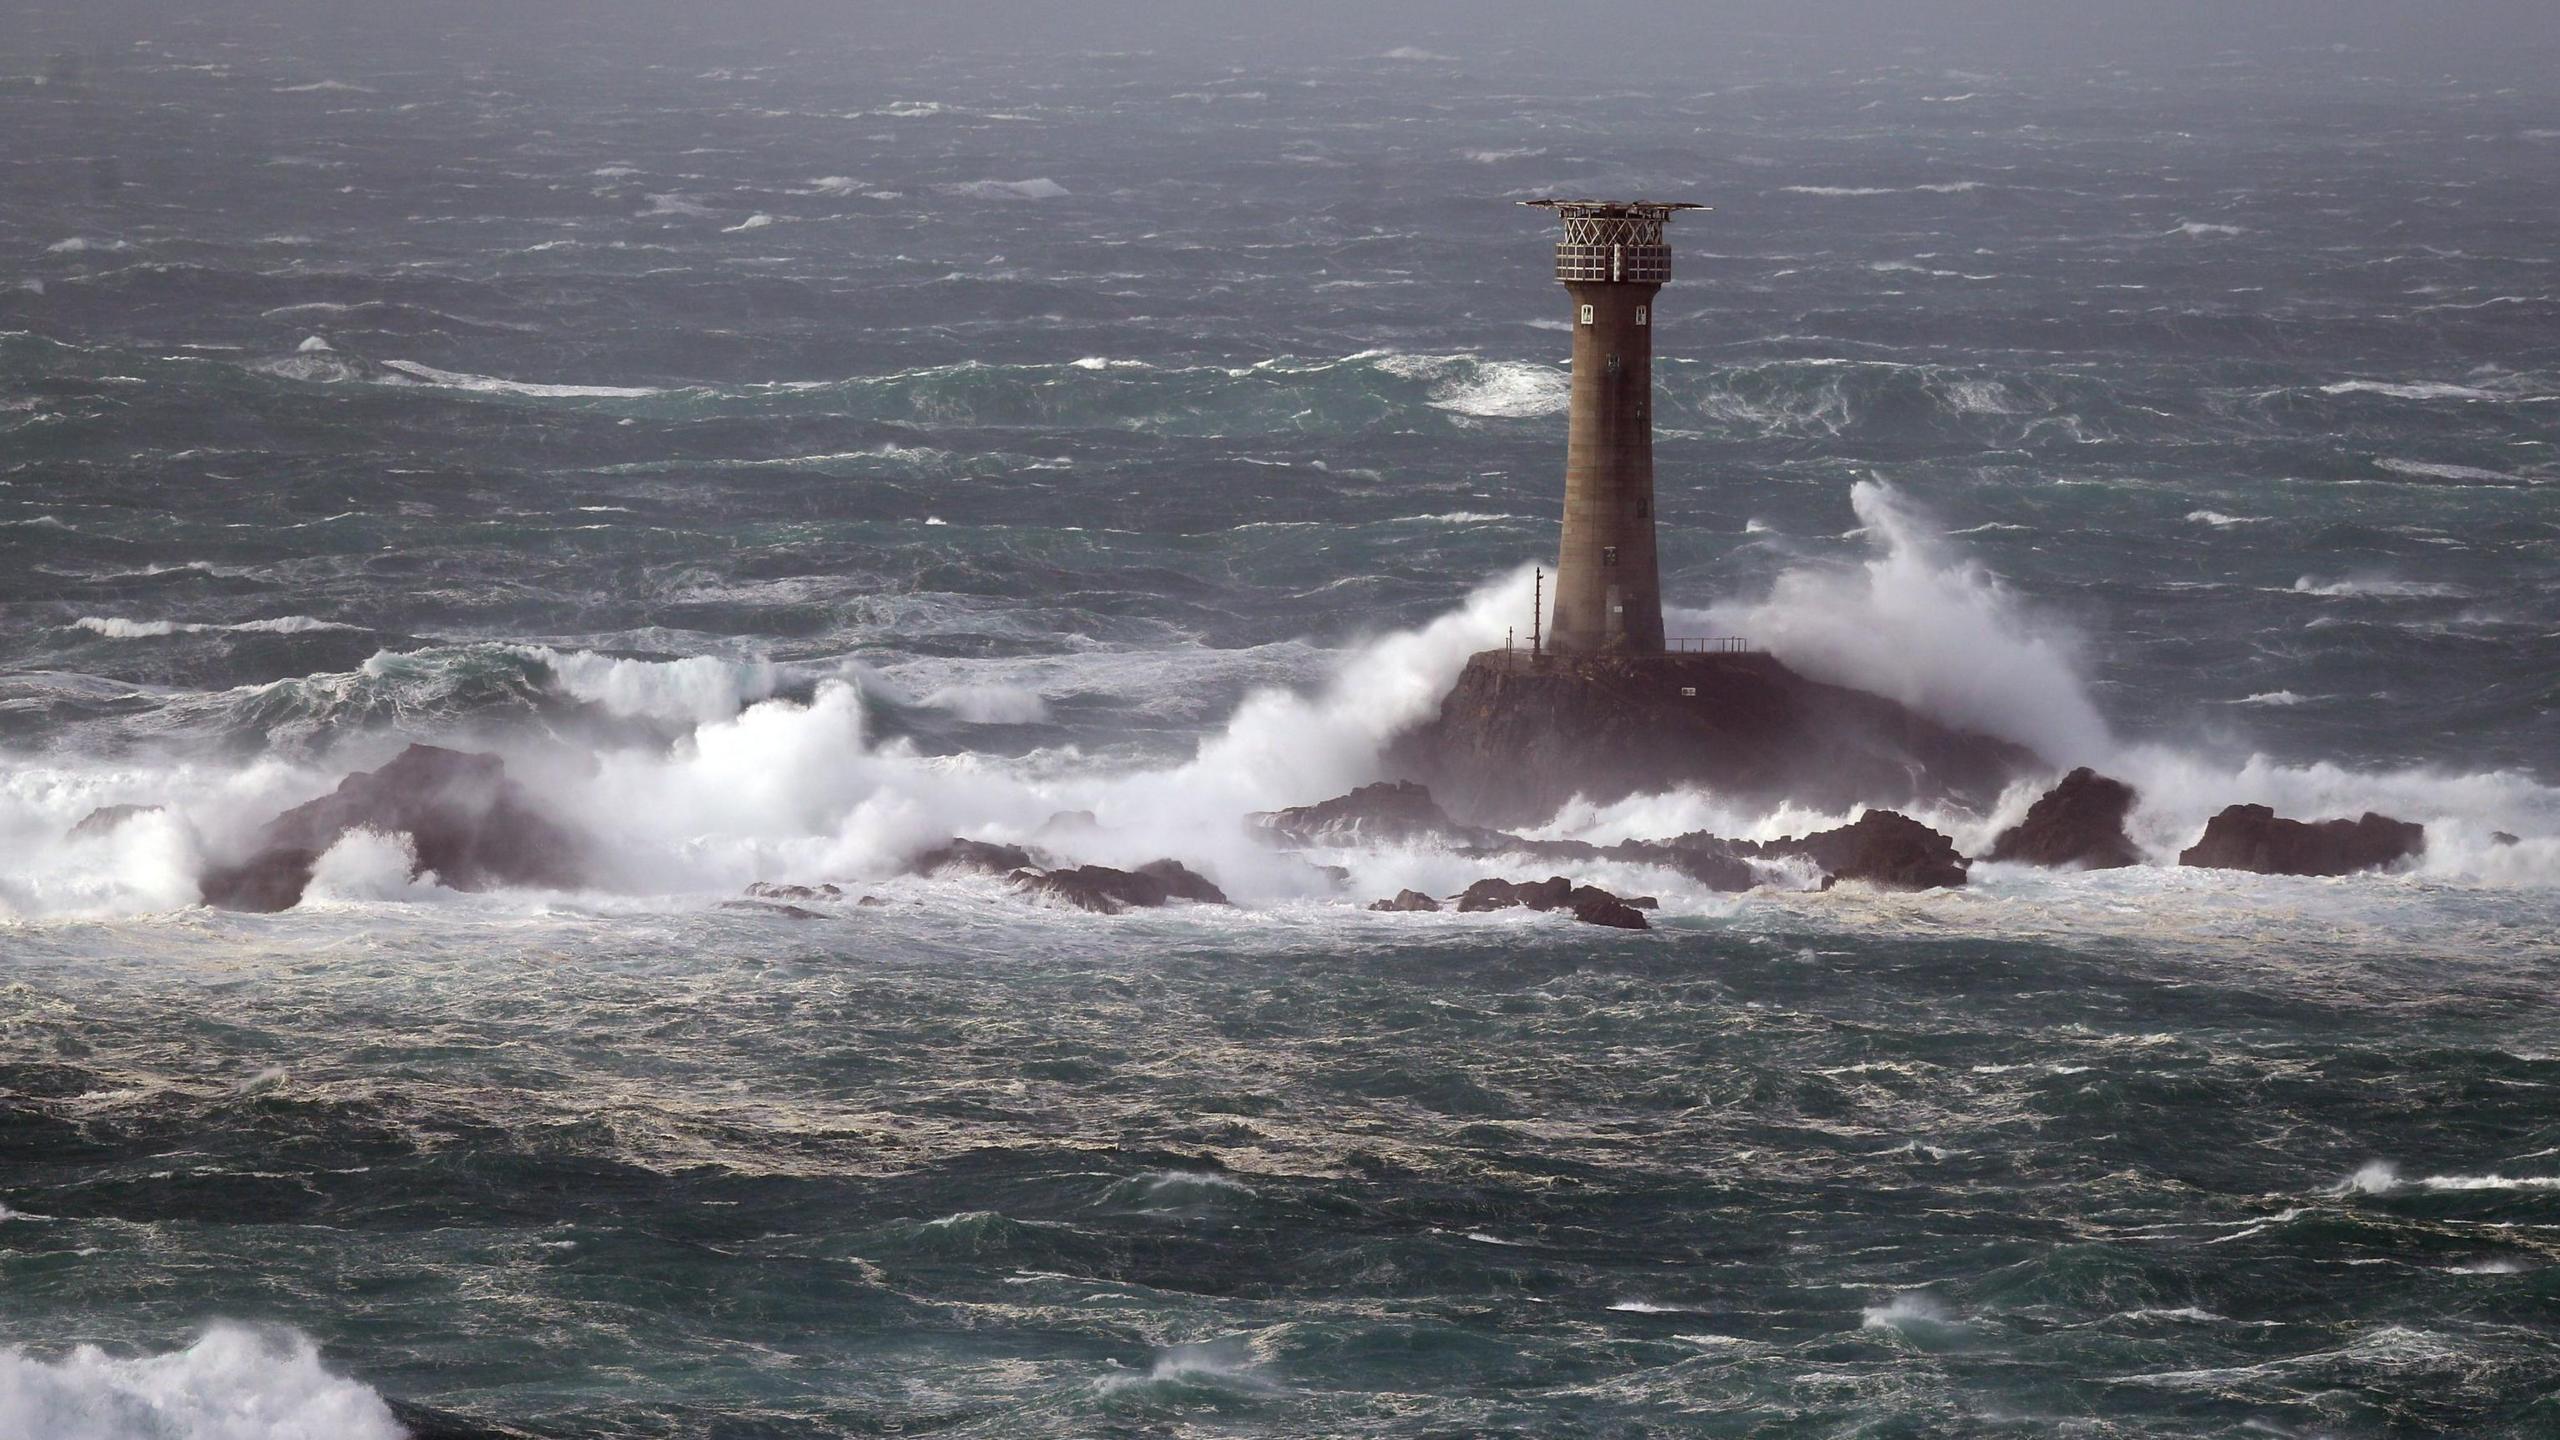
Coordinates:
(1587, 903)
(1882, 847)
(1516, 738)
(470, 824)
(2255, 838)
(981, 856)
(106, 818)
(1407, 901)
(1106, 891)
(2078, 824)
(1389, 811)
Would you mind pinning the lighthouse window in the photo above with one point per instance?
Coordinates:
(1640, 313)
(1644, 509)
(1586, 314)
(1608, 554)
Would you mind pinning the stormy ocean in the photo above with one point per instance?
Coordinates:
(789, 446)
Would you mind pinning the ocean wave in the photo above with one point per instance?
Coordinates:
(118, 628)
(1041, 188)
(2442, 470)
(234, 1383)
(491, 385)
(2411, 390)
(2382, 586)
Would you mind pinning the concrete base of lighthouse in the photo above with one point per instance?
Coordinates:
(1519, 735)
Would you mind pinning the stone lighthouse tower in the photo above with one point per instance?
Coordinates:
(1612, 260)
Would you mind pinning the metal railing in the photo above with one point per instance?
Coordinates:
(1517, 656)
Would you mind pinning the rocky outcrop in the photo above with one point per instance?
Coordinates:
(1106, 891)
(1587, 903)
(1515, 738)
(767, 890)
(980, 856)
(2076, 825)
(106, 818)
(1388, 812)
(1406, 901)
(2255, 838)
(469, 823)
(1881, 848)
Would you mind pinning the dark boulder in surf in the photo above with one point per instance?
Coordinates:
(2077, 825)
(1406, 901)
(470, 824)
(106, 818)
(2255, 838)
(1390, 811)
(1587, 903)
(1881, 848)
(1107, 891)
(980, 856)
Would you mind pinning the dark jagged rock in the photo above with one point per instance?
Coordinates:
(106, 818)
(2254, 837)
(868, 901)
(1595, 907)
(1406, 900)
(2078, 824)
(1587, 903)
(1388, 811)
(767, 890)
(1181, 882)
(1710, 860)
(1395, 812)
(1514, 739)
(1106, 891)
(1881, 848)
(468, 822)
(982, 856)
(2502, 838)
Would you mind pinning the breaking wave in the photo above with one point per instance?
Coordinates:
(234, 1383)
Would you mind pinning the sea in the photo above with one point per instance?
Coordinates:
(789, 446)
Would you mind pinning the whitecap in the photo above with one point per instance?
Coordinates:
(491, 385)
(2410, 390)
(235, 1383)
(1040, 188)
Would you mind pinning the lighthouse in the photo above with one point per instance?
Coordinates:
(1608, 588)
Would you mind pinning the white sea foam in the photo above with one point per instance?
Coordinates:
(2441, 470)
(757, 221)
(491, 385)
(2410, 390)
(235, 1383)
(695, 690)
(1041, 188)
(1493, 389)
(2197, 229)
(116, 627)
(366, 865)
(989, 704)
(1926, 626)
(2381, 585)
(2220, 521)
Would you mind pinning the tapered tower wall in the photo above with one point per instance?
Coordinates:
(1608, 592)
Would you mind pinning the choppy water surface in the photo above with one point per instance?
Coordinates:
(789, 457)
